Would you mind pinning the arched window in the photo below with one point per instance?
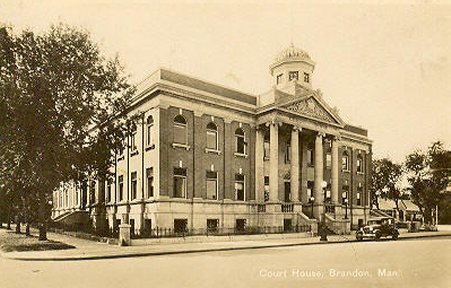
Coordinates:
(240, 141)
(212, 136)
(180, 130)
(359, 164)
(149, 131)
(345, 161)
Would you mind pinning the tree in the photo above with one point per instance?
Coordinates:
(386, 176)
(428, 177)
(57, 91)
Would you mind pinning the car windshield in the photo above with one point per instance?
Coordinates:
(374, 222)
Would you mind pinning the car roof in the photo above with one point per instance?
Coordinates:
(379, 218)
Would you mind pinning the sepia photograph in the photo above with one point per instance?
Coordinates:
(225, 143)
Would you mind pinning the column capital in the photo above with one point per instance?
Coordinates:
(336, 137)
(273, 122)
(320, 134)
(296, 128)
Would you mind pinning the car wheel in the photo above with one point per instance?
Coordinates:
(359, 237)
(395, 236)
(377, 235)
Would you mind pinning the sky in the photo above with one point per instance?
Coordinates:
(386, 65)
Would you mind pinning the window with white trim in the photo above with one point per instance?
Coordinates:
(134, 185)
(149, 180)
(180, 183)
(180, 130)
(149, 131)
(121, 188)
(266, 146)
(240, 141)
(240, 187)
(359, 164)
(345, 161)
(212, 185)
(266, 188)
(133, 146)
(212, 136)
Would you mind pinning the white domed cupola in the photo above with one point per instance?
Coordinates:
(292, 65)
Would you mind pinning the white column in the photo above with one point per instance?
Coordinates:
(295, 165)
(79, 196)
(318, 170)
(334, 174)
(58, 198)
(259, 177)
(274, 163)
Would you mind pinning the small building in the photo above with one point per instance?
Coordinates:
(204, 157)
(408, 211)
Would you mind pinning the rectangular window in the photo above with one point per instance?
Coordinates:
(134, 185)
(149, 140)
(212, 225)
(359, 164)
(212, 139)
(239, 187)
(266, 150)
(149, 177)
(266, 182)
(359, 193)
(328, 193)
(121, 188)
(180, 184)
(293, 75)
(344, 194)
(345, 163)
(279, 78)
(306, 77)
(328, 161)
(240, 225)
(133, 146)
(180, 226)
(310, 157)
(212, 185)
(288, 153)
(310, 185)
(180, 135)
(240, 144)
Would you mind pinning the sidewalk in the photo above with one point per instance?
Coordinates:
(88, 250)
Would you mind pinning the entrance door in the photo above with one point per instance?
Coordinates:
(287, 226)
(287, 197)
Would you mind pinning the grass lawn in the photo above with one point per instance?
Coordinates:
(10, 241)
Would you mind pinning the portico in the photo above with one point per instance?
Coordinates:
(292, 162)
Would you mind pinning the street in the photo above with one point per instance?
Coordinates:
(409, 263)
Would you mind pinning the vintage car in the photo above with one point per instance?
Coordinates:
(377, 228)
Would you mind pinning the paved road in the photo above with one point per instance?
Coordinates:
(410, 263)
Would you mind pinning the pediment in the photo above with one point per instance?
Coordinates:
(312, 108)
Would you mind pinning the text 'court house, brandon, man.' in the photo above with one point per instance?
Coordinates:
(206, 158)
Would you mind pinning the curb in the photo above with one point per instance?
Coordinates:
(190, 251)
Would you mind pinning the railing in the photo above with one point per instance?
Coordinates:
(330, 209)
(261, 208)
(287, 207)
(219, 231)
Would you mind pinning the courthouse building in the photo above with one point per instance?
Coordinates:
(203, 156)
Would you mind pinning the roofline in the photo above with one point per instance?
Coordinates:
(189, 77)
